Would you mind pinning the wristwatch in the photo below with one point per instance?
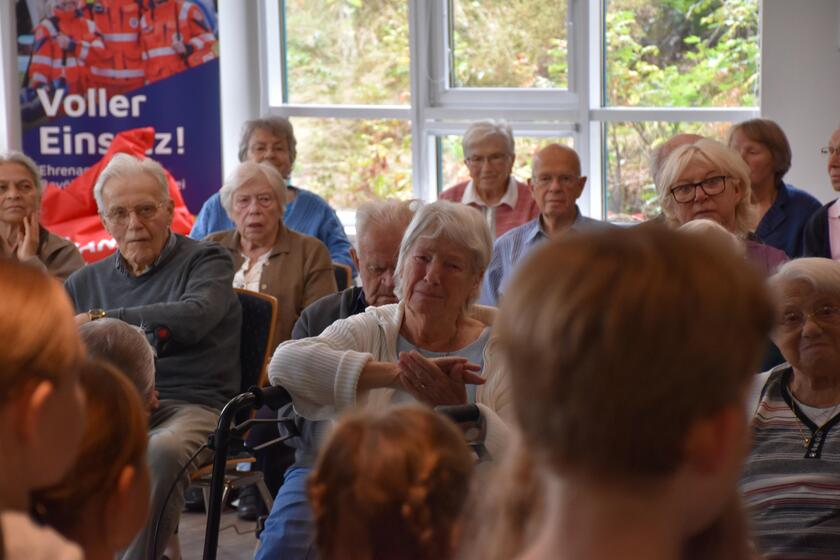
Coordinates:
(95, 314)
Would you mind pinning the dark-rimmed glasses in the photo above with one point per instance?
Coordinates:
(687, 192)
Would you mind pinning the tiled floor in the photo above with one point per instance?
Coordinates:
(236, 538)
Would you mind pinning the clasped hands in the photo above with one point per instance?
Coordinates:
(21, 242)
(437, 381)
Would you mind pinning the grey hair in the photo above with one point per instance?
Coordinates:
(456, 222)
(247, 171)
(13, 156)
(126, 347)
(821, 274)
(390, 213)
(124, 165)
(727, 160)
(710, 229)
(481, 130)
(281, 127)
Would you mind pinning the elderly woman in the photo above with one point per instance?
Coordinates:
(433, 347)
(21, 235)
(791, 483)
(489, 155)
(268, 256)
(272, 139)
(782, 210)
(706, 179)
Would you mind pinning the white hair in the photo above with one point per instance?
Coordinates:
(124, 165)
(13, 156)
(704, 227)
(387, 213)
(456, 222)
(821, 274)
(247, 171)
(479, 131)
(126, 347)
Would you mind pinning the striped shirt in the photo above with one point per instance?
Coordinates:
(791, 487)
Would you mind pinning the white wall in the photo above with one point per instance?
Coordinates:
(9, 86)
(800, 83)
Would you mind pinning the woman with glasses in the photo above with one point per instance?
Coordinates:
(269, 257)
(782, 209)
(489, 155)
(22, 237)
(821, 237)
(708, 180)
(791, 482)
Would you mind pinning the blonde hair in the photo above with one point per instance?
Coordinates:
(390, 485)
(730, 164)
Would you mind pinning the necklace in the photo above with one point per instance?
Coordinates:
(806, 440)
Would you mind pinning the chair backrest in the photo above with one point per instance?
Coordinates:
(259, 321)
(343, 276)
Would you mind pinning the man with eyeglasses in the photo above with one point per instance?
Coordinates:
(179, 291)
(489, 155)
(821, 236)
(556, 184)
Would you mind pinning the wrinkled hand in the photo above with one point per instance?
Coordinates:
(437, 381)
(28, 245)
(64, 41)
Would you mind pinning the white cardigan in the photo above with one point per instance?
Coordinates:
(321, 373)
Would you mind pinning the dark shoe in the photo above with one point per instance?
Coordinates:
(194, 499)
(250, 504)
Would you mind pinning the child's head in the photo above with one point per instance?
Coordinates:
(107, 489)
(390, 485)
(41, 401)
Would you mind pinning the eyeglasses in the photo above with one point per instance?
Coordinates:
(119, 215)
(563, 180)
(829, 151)
(244, 201)
(687, 192)
(492, 159)
(825, 315)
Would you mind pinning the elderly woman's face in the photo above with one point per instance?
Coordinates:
(490, 164)
(18, 194)
(718, 207)
(757, 156)
(437, 277)
(808, 329)
(255, 210)
(264, 146)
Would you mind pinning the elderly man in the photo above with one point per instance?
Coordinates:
(289, 532)
(272, 139)
(489, 155)
(821, 236)
(556, 184)
(179, 291)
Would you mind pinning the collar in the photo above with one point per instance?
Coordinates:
(168, 247)
(510, 198)
(537, 232)
(281, 245)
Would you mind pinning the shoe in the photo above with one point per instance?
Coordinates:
(194, 499)
(250, 504)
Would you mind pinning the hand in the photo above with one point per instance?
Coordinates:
(178, 46)
(28, 246)
(437, 381)
(82, 318)
(64, 42)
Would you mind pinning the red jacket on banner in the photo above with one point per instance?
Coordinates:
(175, 37)
(65, 45)
(71, 212)
(118, 21)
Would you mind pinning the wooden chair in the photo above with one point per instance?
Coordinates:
(343, 276)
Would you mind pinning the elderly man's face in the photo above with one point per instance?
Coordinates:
(808, 330)
(138, 216)
(834, 160)
(376, 260)
(264, 146)
(556, 183)
(490, 164)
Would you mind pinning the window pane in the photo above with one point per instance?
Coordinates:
(351, 161)
(631, 194)
(451, 158)
(509, 43)
(348, 51)
(682, 53)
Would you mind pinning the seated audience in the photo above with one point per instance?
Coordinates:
(821, 237)
(634, 425)
(103, 500)
(434, 346)
(489, 155)
(708, 180)
(782, 210)
(390, 484)
(179, 291)
(126, 347)
(41, 406)
(791, 483)
(22, 237)
(556, 184)
(269, 257)
(272, 139)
